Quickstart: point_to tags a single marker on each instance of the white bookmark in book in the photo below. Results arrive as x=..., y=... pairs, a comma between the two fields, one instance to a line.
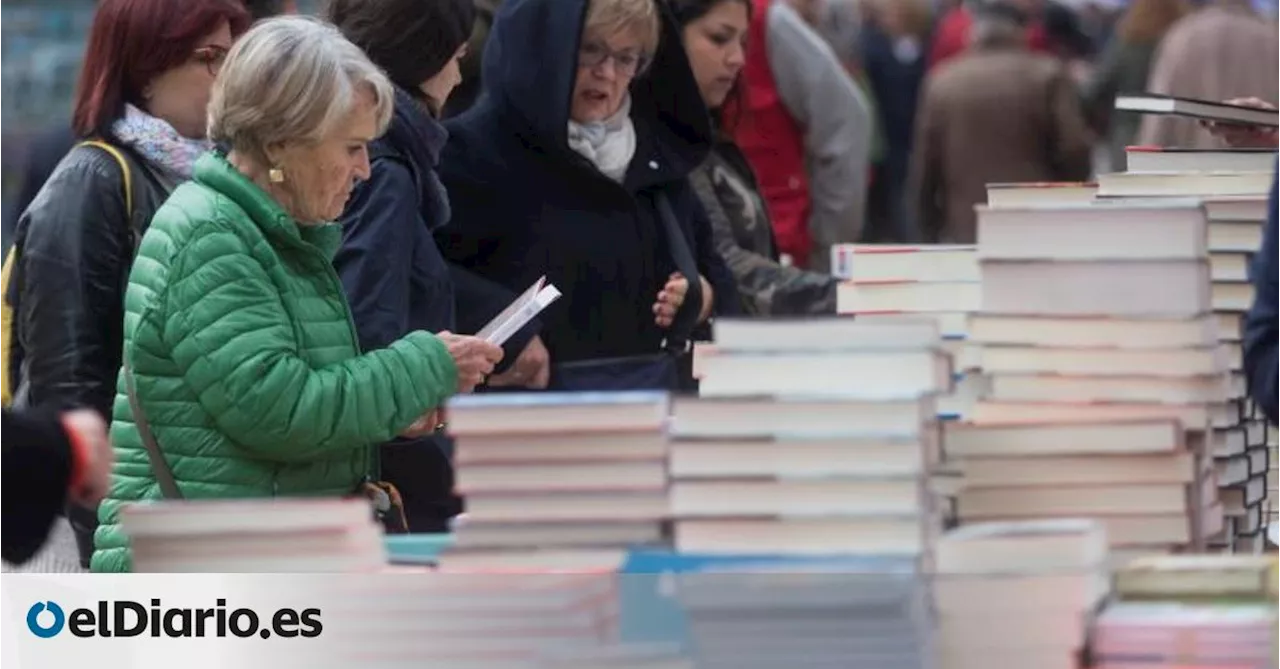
x=520, y=312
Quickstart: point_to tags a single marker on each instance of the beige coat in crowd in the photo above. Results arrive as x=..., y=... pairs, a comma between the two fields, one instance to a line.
x=1219, y=53
x=998, y=115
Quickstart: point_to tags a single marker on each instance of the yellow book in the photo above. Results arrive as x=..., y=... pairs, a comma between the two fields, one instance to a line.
x=1198, y=576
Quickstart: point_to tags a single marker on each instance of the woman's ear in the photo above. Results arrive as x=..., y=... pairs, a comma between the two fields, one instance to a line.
x=274, y=153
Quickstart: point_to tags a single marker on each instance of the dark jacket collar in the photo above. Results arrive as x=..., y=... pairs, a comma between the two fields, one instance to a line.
x=414, y=133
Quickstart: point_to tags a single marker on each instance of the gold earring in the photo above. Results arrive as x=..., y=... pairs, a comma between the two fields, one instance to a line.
x=276, y=175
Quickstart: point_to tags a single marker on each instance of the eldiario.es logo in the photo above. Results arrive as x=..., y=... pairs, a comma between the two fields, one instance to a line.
x=124, y=618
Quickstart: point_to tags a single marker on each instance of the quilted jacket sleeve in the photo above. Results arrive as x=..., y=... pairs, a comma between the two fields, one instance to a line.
x=237, y=349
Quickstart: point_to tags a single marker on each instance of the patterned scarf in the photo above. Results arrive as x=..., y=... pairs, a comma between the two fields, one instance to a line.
x=158, y=142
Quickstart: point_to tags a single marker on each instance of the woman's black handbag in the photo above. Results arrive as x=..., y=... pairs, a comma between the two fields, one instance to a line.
x=663, y=370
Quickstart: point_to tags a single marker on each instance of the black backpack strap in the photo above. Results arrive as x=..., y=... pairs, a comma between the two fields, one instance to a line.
x=680, y=334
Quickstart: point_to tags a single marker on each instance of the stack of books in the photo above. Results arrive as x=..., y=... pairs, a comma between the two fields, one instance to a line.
x=747, y=611
x=1019, y=594
x=558, y=471
x=939, y=281
x=1192, y=610
x=1273, y=478
x=1104, y=364
x=481, y=618
x=618, y=656
x=1016, y=195
x=811, y=436
x=254, y=536
x=1233, y=184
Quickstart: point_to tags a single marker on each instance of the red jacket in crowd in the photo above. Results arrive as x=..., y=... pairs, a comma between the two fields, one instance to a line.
x=774, y=145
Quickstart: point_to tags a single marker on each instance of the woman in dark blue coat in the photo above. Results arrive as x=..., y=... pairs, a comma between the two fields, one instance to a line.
x=588, y=125
x=395, y=277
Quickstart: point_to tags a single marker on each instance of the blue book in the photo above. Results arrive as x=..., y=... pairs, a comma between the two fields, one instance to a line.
x=652, y=613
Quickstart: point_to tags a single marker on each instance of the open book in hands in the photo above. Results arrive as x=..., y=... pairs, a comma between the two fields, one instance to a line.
x=520, y=312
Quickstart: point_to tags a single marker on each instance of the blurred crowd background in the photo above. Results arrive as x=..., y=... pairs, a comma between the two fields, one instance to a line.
x=43, y=41
x=41, y=44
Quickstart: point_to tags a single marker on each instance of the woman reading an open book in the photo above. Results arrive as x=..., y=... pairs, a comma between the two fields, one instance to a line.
x=242, y=373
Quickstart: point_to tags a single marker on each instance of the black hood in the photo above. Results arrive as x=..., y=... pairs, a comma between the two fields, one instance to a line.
x=531, y=63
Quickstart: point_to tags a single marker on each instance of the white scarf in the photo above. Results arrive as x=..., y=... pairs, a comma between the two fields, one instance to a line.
x=608, y=144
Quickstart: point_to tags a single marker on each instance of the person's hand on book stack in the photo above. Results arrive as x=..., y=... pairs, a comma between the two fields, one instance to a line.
x=1240, y=136
x=92, y=456
x=474, y=358
x=532, y=369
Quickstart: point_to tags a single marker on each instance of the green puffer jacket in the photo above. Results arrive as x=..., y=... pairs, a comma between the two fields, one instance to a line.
x=246, y=362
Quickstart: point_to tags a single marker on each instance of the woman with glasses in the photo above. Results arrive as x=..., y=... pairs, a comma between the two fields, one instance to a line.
x=574, y=165
x=149, y=66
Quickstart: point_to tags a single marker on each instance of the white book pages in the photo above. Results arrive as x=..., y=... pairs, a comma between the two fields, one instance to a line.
x=518, y=314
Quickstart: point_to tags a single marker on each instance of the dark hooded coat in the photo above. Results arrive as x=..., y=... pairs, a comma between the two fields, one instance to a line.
x=525, y=205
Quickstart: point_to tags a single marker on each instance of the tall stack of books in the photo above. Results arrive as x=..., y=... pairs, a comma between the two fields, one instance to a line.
x=1233, y=183
x=618, y=656
x=1235, y=233
x=1102, y=355
x=1273, y=479
x=848, y=613
x=939, y=281
x=739, y=611
x=1191, y=610
x=495, y=619
x=558, y=472
x=254, y=536
x=811, y=436
x=1019, y=594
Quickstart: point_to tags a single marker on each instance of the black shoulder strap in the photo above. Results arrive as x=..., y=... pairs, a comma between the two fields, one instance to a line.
x=681, y=331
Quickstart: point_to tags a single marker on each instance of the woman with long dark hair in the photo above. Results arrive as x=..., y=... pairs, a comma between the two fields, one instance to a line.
x=715, y=37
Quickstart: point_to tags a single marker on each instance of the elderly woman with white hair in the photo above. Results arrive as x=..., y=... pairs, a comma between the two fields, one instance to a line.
x=243, y=377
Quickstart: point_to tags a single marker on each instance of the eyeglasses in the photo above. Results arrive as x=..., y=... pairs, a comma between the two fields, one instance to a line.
x=211, y=56
x=592, y=55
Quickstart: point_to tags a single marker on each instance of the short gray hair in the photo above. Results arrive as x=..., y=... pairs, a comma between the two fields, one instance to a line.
x=291, y=79
x=993, y=31
x=613, y=16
